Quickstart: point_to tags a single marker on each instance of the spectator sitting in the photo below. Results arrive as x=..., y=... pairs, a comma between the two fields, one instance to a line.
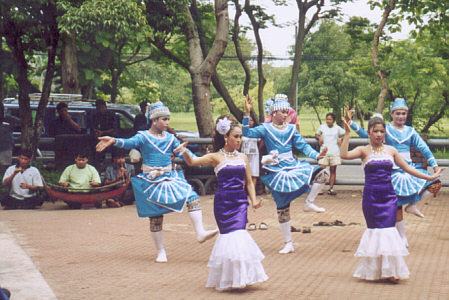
x=24, y=181
x=119, y=170
x=80, y=175
x=140, y=121
x=63, y=124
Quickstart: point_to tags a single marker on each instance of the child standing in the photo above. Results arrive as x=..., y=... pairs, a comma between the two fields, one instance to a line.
x=328, y=136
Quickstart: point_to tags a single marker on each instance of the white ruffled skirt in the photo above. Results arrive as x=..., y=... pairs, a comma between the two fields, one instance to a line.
x=235, y=261
x=382, y=251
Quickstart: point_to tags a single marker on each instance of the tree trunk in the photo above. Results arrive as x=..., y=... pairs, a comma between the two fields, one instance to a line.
x=381, y=73
x=436, y=117
x=261, y=78
x=69, y=65
x=238, y=50
x=202, y=69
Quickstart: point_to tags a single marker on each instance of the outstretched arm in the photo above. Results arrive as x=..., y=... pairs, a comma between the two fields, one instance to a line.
x=407, y=168
x=208, y=159
x=357, y=129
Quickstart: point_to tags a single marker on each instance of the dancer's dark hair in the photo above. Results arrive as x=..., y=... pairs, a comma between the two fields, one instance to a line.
x=375, y=121
x=219, y=139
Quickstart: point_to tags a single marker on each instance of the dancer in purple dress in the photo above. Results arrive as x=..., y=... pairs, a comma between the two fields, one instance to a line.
x=381, y=247
x=235, y=261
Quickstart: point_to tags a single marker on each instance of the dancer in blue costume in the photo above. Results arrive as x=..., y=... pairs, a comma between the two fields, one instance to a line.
x=286, y=177
x=381, y=247
x=159, y=189
x=235, y=260
x=409, y=189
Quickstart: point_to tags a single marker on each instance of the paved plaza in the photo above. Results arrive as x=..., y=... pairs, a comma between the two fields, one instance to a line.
x=59, y=253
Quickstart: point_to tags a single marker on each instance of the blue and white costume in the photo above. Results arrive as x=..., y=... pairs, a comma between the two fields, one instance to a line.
x=159, y=189
x=286, y=177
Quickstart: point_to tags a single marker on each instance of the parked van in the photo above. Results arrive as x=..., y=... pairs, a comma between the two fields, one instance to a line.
x=82, y=112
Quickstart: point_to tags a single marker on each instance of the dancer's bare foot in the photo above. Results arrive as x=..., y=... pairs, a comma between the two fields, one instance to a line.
x=206, y=235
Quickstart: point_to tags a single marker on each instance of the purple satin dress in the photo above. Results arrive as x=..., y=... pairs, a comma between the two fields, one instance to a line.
x=379, y=197
x=231, y=201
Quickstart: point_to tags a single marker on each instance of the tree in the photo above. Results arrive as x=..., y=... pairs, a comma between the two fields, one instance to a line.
x=303, y=28
x=29, y=27
x=110, y=33
x=183, y=17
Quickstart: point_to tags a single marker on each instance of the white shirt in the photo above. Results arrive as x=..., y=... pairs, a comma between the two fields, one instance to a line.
x=30, y=176
x=330, y=136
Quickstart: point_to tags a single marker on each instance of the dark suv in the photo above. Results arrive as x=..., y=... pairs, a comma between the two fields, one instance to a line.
x=82, y=112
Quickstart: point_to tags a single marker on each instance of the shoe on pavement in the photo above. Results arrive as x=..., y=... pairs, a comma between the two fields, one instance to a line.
x=161, y=256
x=310, y=207
x=288, y=248
x=331, y=192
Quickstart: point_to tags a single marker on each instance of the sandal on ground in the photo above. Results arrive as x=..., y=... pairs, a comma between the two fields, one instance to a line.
x=263, y=226
x=294, y=229
x=306, y=229
x=252, y=227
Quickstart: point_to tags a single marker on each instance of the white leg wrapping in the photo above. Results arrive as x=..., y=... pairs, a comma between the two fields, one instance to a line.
x=309, y=205
x=412, y=208
x=401, y=229
x=202, y=235
x=158, y=241
x=286, y=232
x=426, y=195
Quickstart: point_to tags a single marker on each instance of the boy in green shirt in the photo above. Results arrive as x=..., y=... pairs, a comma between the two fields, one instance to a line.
x=80, y=175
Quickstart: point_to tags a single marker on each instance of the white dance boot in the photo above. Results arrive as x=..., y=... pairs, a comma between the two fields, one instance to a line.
x=202, y=235
x=309, y=206
x=412, y=208
x=288, y=248
x=157, y=238
x=401, y=229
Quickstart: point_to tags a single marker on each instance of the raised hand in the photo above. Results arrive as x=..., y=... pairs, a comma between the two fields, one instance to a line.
x=437, y=174
x=348, y=114
x=248, y=104
x=105, y=141
x=346, y=125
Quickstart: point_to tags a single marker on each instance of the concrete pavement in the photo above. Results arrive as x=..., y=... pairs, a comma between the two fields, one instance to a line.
x=108, y=254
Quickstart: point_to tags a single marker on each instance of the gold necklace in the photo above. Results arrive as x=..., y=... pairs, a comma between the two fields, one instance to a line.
x=229, y=154
x=377, y=150
x=278, y=126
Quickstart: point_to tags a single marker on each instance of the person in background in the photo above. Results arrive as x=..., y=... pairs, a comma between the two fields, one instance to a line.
x=80, y=175
x=104, y=120
x=63, y=124
x=24, y=180
x=119, y=170
x=140, y=121
x=328, y=135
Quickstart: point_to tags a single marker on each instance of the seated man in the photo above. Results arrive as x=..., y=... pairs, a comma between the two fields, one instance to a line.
x=80, y=175
x=24, y=181
x=119, y=170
